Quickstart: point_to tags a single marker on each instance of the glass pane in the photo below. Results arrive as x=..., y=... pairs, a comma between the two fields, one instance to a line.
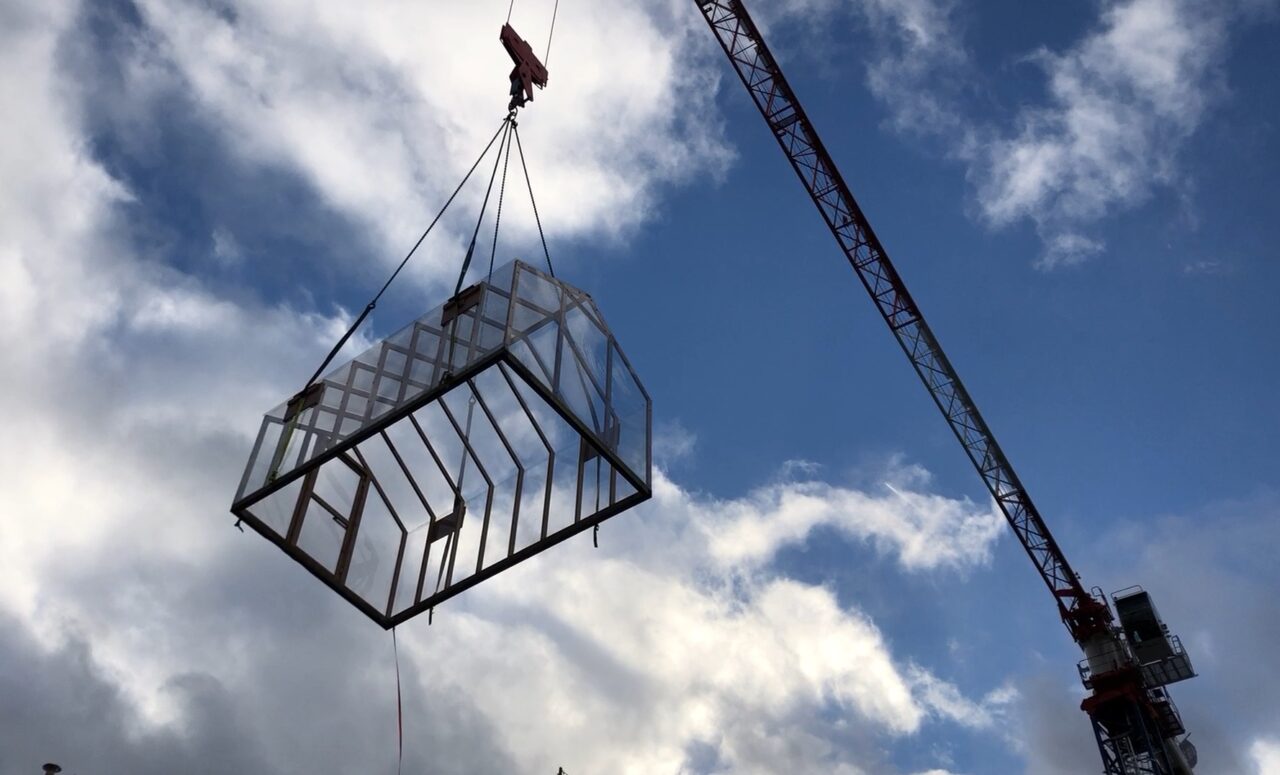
x=321, y=536
x=540, y=293
x=430, y=483
x=592, y=344
x=411, y=570
x=633, y=416
x=336, y=483
x=276, y=510
x=579, y=394
x=373, y=557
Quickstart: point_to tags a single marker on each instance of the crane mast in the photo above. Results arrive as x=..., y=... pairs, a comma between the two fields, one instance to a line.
x=1135, y=723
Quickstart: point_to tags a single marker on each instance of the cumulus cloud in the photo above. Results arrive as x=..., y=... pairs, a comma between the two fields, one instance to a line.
x=382, y=107
x=141, y=633
x=921, y=530
x=1119, y=106
x=1266, y=756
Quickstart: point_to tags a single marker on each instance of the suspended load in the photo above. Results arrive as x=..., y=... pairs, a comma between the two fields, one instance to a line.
x=496, y=425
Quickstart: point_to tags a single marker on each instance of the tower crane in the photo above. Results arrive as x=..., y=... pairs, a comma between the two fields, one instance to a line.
x=1129, y=655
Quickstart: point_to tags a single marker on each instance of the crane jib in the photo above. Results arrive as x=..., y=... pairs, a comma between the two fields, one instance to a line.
x=768, y=87
x=1135, y=723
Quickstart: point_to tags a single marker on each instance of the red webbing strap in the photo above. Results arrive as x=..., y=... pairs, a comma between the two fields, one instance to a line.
x=399, y=707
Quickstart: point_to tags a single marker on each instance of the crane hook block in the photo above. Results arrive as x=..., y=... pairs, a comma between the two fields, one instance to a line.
x=528, y=72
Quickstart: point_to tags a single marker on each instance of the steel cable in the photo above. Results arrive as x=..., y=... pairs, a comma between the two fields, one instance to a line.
x=466, y=262
x=374, y=301
x=534, y=202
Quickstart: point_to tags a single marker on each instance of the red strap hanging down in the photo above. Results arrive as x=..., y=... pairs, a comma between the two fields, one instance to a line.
x=399, y=708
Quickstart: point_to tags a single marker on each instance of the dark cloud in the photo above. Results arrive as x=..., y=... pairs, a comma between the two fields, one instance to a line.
x=59, y=706
x=306, y=684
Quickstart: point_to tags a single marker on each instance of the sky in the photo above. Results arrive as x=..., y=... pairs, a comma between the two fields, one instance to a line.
x=196, y=198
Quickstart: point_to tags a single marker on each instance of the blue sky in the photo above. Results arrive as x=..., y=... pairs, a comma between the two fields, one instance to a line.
x=197, y=196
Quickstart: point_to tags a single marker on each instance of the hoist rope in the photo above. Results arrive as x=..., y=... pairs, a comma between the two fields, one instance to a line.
x=509, y=7
x=554, y=10
x=534, y=202
x=505, y=131
x=374, y=301
x=502, y=190
x=471, y=249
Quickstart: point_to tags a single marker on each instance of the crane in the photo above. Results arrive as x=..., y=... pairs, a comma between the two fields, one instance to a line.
x=1127, y=663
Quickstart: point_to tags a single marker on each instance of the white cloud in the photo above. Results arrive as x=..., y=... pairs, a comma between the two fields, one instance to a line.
x=226, y=249
x=921, y=530
x=136, y=385
x=947, y=701
x=1120, y=104
x=382, y=107
x=1266, y=756
x=653, y=638
x=672, y=442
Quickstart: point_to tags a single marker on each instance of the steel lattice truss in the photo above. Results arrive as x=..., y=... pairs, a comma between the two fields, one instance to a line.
x=799, y=140
x=1133, y=718
x=484, y=432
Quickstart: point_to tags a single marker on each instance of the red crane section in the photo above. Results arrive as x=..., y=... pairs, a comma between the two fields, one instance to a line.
x=529, y=70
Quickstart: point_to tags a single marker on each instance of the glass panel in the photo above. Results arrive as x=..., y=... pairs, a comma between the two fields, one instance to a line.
x=538, y=353
x=622, y=488
x=388, y=388
x=526, y=317
x=495, y=307
x=632, y=410
x=486, y=444
x=321, y=536
x=356, y=406
x=288, y=459
x=373, y=557
x=427, y=344
x=260, y=463
x=540, y=293
x=276, y=510
x=592, y=344
x=579, y=394
x=331, y=396
x=397, y=488
x=514, y=422
x=394, y=364
x=336, y=483
x=595, y=485
x=422, y=374
x=362, y=378
x=444, y=439
x=411, y=570
x=326, y=420
x=490, y=337
x=498, y=537
x=460, y=330
x=533, y=497
x=502, y=276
